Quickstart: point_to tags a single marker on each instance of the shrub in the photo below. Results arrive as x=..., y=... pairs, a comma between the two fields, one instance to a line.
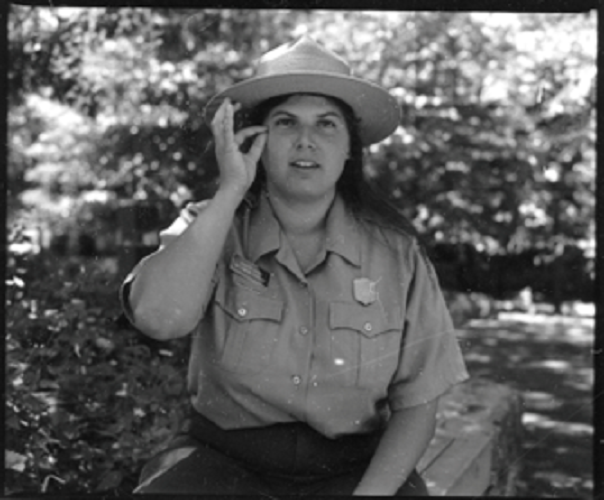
x=88, y=399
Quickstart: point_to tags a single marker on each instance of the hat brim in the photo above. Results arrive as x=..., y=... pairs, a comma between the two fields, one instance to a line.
x=377, y=110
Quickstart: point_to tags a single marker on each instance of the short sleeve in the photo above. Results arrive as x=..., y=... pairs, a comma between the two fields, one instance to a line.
x=186, y=216
x=166, y=236
x=431, y=360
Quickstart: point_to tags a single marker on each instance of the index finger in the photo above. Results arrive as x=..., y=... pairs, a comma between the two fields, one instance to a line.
x=222, y=125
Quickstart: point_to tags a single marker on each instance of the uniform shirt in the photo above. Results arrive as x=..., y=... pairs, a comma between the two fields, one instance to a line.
x=365, y=331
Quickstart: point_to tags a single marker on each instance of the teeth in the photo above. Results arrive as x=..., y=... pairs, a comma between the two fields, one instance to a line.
x=304, y=164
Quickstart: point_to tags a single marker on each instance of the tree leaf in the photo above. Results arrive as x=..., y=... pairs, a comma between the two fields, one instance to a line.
x=110, y=480
x=14, y=461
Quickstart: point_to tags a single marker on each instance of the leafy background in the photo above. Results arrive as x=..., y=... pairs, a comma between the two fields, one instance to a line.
x=88, y=399
x=494, y=163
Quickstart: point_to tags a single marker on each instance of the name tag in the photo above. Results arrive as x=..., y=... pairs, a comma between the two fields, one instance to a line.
x=249, y=270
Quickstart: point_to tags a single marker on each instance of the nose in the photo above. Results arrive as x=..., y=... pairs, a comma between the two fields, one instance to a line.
x=305, y=139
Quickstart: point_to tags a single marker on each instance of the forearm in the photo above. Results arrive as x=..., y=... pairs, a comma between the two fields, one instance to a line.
x=171, y=286
x=404, y=442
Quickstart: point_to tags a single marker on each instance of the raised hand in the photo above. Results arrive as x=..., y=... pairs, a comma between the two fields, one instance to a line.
x=237, y=169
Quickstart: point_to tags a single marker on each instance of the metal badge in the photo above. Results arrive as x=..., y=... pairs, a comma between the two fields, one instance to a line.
x=365, y=291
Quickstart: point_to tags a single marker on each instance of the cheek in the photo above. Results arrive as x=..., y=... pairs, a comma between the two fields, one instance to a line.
x=271, y=154
x=269, y=148
x=345, y=146
x=346, y=151
x=274, y=146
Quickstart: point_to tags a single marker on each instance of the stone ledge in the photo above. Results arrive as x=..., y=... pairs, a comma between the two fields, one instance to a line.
x=476, y=448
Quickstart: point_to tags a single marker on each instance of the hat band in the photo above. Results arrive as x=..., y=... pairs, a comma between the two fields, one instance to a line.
x=300, y=63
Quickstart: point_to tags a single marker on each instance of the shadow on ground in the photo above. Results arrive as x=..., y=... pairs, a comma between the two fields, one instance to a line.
x=549, y=359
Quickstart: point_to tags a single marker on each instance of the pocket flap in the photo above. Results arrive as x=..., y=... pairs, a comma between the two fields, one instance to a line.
x=368, y=320
x=245, y=305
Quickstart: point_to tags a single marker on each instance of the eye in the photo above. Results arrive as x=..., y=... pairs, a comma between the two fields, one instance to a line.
x=283, y=121
x=327, y=124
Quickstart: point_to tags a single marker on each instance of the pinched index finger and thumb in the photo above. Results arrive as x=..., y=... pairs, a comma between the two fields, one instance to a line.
x=258, y=145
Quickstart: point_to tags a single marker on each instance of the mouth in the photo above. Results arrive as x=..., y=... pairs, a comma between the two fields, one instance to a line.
x=305, y=164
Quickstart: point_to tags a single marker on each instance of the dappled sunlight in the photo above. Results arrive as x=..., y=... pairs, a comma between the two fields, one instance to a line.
x=477, y=357
x=580, y=334
x=519, y=357
x=536, y=400
x=509, y=335
x=555, y=365
x=549, y=359
x=490, y=341
x=579, y=385
x=560, y=479
x=533, y=421
x=578, y=331
x=557, y=464
x=581, y=379
x=547, y=319
x=483, y=323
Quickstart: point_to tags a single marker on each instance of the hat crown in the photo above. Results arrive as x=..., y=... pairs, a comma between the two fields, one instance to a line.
x=303, y=55
x=305, y=67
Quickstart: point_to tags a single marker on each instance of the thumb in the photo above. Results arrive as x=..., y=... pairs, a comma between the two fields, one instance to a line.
x=258, y=146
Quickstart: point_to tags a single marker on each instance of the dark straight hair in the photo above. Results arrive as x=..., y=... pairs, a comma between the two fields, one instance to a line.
x=363, y=201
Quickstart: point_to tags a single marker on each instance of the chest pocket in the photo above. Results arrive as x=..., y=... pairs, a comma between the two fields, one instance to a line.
x=252, y=325
x=364, y=343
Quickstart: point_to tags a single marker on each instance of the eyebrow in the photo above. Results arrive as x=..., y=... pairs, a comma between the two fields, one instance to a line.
x=293, y=115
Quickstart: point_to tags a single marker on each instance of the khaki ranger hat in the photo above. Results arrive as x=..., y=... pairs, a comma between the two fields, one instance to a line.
x=304, y=66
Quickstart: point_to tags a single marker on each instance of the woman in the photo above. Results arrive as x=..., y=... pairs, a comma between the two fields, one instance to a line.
x=321, y=341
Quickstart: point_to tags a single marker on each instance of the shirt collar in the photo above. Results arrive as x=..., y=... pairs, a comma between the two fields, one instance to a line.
x=264, y=230
x=342, y=232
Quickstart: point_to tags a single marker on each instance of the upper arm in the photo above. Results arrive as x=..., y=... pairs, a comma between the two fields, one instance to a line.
x=431, y=360
x=179, y=225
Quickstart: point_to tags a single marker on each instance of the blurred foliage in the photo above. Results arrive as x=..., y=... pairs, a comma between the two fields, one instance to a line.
x=496, y=146
x=87, y=399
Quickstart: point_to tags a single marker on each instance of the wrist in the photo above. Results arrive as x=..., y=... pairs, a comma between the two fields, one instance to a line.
x=230, y=195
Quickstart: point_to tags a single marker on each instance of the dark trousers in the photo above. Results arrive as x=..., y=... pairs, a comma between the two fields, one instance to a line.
x=282, y=459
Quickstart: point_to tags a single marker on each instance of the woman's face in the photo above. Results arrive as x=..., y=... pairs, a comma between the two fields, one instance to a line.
x=308, y=144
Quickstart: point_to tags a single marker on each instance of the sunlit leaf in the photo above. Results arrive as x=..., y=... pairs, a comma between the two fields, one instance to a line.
x=14, y=461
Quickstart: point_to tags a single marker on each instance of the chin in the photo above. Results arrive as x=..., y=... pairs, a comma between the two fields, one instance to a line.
x=306, y=196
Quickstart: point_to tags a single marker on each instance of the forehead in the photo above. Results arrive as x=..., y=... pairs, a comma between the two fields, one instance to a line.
x=308, y=103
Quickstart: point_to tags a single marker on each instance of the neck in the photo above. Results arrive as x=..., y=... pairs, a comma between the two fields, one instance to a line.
x=301, y=217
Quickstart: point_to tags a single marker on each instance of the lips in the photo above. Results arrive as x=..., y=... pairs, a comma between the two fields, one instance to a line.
x=305, y=164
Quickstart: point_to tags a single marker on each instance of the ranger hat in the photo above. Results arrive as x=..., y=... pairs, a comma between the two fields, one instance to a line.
x=304, y=66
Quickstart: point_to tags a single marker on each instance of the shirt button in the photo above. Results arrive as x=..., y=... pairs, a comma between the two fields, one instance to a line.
x=368, y=327
x=303, y=330
x=297, y=380
x=242, y=311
